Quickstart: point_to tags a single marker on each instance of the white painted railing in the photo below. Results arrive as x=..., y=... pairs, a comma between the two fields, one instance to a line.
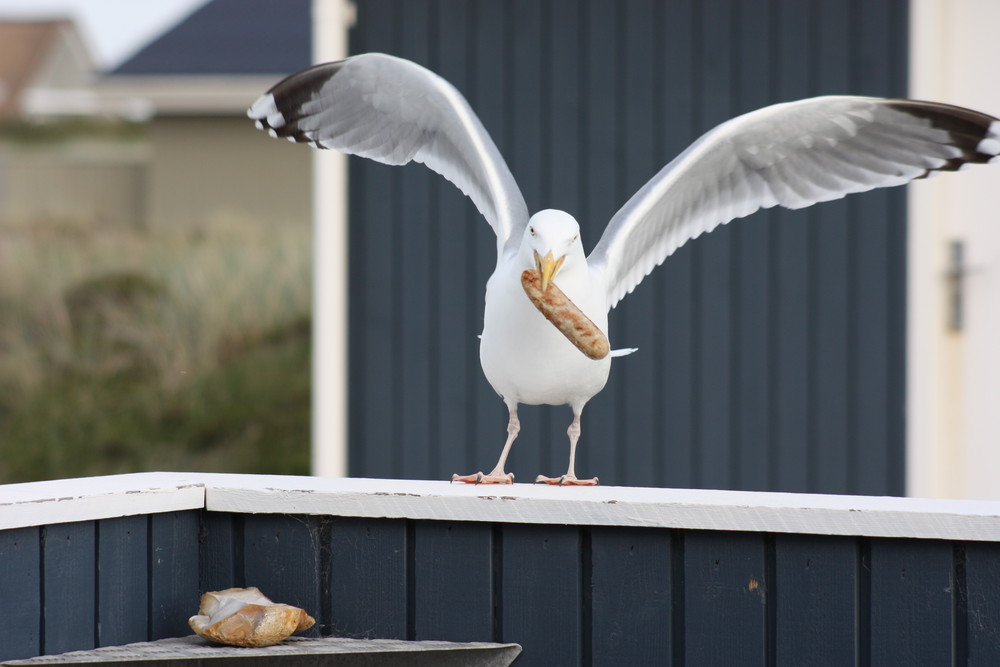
x=60, y=501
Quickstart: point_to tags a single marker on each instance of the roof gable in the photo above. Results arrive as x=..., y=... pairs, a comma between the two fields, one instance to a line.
x=231, y=37
x=47, y=54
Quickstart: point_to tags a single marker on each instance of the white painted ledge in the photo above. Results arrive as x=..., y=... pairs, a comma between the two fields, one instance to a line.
x=90, y=498
x=144, y=493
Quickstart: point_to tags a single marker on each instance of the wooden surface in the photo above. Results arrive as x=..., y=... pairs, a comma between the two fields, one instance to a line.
x=123, y=548
x=449, y=560
x=42, y=503
x=64, y=500
x=20, y=586
x=69, y=586
x=368, y=594
x=818, y=577
x=174, y=565
x=193, y=650
x=368, y=562
x=607, y=505
x=632, y=615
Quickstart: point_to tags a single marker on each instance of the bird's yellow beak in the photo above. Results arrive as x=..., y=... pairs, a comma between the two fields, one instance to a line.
x=547, y=267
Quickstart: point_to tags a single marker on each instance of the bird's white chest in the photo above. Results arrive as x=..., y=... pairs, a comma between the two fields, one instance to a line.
x=525, y=358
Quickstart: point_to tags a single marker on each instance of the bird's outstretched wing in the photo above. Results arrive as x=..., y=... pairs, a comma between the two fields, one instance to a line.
x=793, y=155
x=393, y=111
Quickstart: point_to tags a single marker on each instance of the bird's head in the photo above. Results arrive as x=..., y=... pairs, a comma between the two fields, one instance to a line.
x=553, y=238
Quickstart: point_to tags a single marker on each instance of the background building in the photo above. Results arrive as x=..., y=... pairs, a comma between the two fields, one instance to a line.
x=818, y=350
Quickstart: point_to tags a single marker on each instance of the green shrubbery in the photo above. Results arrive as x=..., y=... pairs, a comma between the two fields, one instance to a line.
x=162, y=349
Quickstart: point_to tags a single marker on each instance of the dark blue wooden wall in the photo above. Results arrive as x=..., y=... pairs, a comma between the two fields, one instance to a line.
x=569, y=595
x=72, y=586
x=771, y=353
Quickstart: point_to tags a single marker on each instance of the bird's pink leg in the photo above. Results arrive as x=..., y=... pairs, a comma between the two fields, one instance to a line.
x=497, y=475
x=570, y=479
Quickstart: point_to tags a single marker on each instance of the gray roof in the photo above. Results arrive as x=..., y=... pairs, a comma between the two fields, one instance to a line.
x=231, y=37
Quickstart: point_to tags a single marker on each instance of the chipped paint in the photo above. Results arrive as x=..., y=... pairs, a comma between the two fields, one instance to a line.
x=59, y=501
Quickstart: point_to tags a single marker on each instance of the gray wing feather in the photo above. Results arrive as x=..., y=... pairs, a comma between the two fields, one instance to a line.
x=394, y=111
x=792, y=155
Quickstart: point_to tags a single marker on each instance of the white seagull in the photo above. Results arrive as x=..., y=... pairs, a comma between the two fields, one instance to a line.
x=793, y=154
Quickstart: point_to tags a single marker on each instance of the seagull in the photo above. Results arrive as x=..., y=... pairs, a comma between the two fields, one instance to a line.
x=792, y=154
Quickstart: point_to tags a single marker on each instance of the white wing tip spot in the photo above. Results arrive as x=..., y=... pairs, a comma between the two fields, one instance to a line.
x=989, y=146
x=265, y=112
x=262, y=106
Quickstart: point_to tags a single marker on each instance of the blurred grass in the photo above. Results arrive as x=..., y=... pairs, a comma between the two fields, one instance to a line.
x=54, y=131
x=126, y=350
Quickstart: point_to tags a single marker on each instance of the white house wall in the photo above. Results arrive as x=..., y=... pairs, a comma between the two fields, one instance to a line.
x=190, y=152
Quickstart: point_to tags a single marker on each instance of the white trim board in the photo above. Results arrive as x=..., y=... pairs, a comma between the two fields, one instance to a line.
x=60, y=501
x=90, y=498
x=953, y=377
x=331, y=21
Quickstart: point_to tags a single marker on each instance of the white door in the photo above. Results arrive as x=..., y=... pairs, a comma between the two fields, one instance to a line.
x=953, y=421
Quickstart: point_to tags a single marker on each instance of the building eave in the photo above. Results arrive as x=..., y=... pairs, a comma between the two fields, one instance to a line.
x=183, y=95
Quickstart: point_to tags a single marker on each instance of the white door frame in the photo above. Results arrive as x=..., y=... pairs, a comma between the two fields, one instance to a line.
x=331, y=20
x=953, y=389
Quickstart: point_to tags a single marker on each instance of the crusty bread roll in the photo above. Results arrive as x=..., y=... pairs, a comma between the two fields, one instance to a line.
x=563, y=313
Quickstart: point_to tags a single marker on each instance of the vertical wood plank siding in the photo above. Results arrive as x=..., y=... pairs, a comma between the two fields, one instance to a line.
x=21, y=592
x=771, y=352
x=122, y=548
x=569, y=595
x=69, y=587
x=368, y=590
x=450, y=559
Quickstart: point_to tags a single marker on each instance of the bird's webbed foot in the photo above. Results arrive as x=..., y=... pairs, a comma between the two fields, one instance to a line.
x=567, y=480
x=479, y=478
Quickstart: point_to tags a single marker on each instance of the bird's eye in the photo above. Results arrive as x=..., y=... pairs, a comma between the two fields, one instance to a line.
x=575, y=237
x=531, y=230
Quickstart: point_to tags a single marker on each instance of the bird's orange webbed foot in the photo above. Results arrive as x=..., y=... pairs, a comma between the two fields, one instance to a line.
x=480, y=478
x=566, y=480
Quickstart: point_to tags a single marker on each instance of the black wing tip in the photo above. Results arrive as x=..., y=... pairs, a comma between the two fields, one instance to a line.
x=282, y=129
x=311, y=78
x=975, y=134
x=278, y=110
x=941, y=114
